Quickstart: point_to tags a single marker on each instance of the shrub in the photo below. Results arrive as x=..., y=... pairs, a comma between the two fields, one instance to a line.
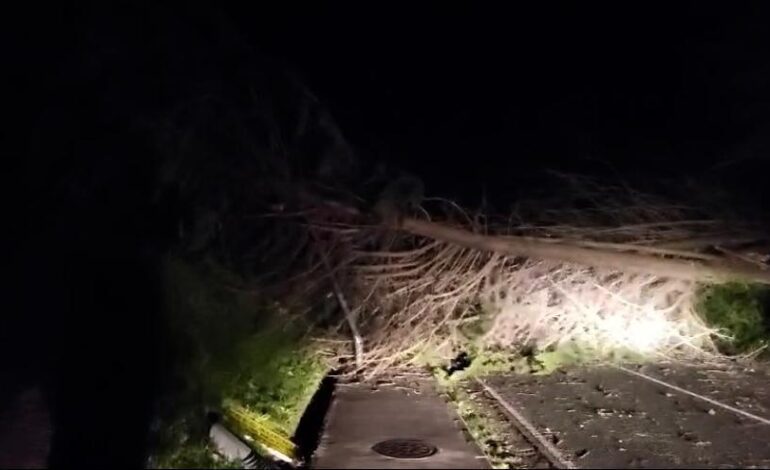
x=739, y=311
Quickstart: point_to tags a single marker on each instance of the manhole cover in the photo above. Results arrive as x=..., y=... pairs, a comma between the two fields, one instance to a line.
x=405, y=448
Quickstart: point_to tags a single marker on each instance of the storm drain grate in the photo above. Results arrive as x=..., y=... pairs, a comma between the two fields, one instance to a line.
x=405, y=448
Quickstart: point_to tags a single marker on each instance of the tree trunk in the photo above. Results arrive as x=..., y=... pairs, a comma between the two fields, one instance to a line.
x=709, y=271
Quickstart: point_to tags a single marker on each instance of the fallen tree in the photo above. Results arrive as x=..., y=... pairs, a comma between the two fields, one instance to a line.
x=620, y=273
x=686, y=266
x=616, y=276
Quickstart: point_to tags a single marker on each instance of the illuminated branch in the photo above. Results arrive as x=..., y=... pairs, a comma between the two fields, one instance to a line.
x=696, y=270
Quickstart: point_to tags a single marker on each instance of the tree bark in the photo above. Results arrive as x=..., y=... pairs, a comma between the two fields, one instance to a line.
x=709, y=271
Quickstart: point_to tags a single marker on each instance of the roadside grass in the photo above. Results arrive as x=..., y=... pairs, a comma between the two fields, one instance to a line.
x=192, y=454
x=491, y=361
x=224, y=344
x=741, y=313
x=487, y=428
x=276, y=375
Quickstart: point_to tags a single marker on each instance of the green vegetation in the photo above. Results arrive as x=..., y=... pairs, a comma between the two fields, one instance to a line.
x=280, y=385
x=738, y=311
x=489, y=361
x=574, y=354
x=226, y=344
x=195, y=454
x=487, y=428
x=484, y=360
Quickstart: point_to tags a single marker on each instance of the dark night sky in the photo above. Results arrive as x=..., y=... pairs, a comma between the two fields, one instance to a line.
x=487, y=96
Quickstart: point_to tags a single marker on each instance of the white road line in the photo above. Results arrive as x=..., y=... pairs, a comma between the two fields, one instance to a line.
x=546, y=447
x=696, y=395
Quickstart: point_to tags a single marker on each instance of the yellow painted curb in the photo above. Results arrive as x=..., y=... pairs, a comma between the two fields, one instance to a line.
x=265, y=433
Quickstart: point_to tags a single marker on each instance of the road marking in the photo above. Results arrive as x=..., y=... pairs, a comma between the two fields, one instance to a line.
x=696, y=395
x=546, y=447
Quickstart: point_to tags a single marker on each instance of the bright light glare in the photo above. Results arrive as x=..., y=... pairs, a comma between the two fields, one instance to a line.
x=605, y=313
x=643, y=335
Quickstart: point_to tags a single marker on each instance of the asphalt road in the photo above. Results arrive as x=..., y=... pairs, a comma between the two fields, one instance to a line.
x=654, y=416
